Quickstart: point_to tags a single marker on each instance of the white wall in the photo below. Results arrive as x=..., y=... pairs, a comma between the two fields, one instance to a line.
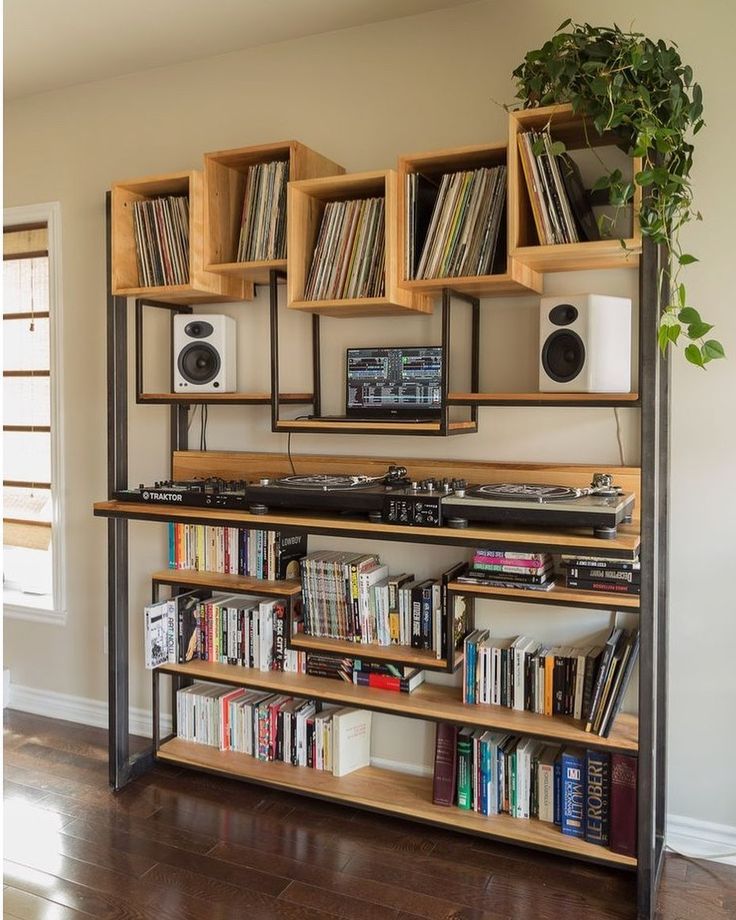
x=362, y=97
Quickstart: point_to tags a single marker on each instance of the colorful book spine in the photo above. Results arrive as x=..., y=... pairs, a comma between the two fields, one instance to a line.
x=573, y=792
x=597, y=797
x=622, y=830
x=464, y=770
x=445, y=764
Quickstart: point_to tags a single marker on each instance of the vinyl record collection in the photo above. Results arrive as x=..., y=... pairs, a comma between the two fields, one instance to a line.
x=589, y=794
x=161, y=228
x=271, y=727
x=590, y=573
x=586, y=683
x=561, y=208
x=496, y=568
x=353, y=597
x=270, y=554
x=350, y=254
x=263, y=225
x=461, y=235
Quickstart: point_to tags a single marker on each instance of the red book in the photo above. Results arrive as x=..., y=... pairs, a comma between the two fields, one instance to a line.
x=623, y=826
x=445, y=764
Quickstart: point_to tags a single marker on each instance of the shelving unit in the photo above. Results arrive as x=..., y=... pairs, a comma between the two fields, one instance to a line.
x=385, y=791
x=225, y=173
x=516, y=278
x=306, y=204
x=204, y=286
x=565, y=257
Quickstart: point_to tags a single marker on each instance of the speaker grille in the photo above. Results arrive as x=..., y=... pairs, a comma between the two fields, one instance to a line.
x=199, y=363
x=563, y=356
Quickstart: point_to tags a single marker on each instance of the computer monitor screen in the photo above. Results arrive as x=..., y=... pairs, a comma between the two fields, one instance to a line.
x=389, y=382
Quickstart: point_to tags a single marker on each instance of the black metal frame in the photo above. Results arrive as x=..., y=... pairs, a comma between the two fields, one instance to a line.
x=443, y=430
x=654, y=399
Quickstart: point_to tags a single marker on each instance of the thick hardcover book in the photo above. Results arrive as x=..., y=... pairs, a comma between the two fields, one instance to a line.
x=427, y=615
x=290, y=548
x=387, y=682
x=445, y=764
x=622, y=833
x=621, y=683
x=609, y=649
x=557, y=800
x=612, y=587
x=464, y=769
x=573, y=792
x=187, y=614
x=598, y=574
x=592, y=663
x=598, y=795
x=601, y=562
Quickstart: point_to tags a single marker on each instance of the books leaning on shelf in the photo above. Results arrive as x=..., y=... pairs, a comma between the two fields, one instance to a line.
x=350, y=253
x=586, y=683
x=236, y=630
x=353, y=597
x=560, y=205
x=263, y=225
x=161, y=227
x=272, y=727
x=236, y=551
x=461, y=235
x=587, y=794
x=496, y=568
x=379, y=675
x=598, y=573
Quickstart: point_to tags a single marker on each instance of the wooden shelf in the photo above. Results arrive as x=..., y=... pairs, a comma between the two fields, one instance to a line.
x=389, y=792
x=432, y=702
x=204, y=286
x=516, y=277
x=624, y=546
x=543, y=399
x=225, y=174
x=396, y=654
x=564, y=257
x=559, y=595
x=306, y=204
x=337, y=426
x=233, y=399
x=246, y=584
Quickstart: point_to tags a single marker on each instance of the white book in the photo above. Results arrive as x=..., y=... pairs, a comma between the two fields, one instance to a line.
x=351, y=737
x=546, y=784
x=265, y=634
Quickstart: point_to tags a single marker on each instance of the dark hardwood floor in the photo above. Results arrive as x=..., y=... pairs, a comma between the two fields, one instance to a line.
x=178, y=845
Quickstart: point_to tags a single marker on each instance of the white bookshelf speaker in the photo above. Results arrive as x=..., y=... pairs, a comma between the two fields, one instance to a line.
x=585, y=344
x=204, y=353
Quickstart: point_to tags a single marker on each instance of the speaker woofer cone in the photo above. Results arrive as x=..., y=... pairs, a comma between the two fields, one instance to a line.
x=199, y=363
x=563, y=356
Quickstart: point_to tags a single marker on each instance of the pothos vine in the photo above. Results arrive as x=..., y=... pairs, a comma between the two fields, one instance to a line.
x=639, y=89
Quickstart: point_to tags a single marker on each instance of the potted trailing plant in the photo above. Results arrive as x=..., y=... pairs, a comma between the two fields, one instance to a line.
x=639, y=89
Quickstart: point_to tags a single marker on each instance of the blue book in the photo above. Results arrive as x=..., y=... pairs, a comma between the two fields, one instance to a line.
x=597, y=796
x=172, y=551
x=558, y=790
x=573, y=792
x=485, y=775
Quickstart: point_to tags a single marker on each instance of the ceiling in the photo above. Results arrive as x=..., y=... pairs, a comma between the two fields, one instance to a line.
x=49, y=44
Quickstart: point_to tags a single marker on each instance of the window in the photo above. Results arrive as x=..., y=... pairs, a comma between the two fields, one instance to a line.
x=33, y=548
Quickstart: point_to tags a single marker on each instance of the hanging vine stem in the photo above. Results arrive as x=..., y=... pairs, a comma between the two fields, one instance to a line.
x=639, y=89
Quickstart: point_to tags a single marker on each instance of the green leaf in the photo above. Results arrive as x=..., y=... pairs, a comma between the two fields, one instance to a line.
x=689, y=315
x=693, y=355
x=681, y=294
x=698, y=330
x=645, y=177
x=601, y=183
x=687, y=259
x=563, y=25
x=663, y=338
x=556, y=148
x=713, y=349
x=673, y=332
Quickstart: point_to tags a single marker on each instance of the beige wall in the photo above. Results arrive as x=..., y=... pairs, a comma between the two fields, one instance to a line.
x=362, y=97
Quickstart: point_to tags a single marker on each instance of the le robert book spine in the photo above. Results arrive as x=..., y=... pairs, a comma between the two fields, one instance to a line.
x=445, y=764
x=622, y=832
x=573, y=792
x=597, y=797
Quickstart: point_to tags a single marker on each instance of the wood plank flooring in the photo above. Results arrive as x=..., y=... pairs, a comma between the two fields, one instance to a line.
x=179, y=845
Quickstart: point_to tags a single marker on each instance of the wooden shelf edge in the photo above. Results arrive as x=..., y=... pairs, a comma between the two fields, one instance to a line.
x=338, y=426
x=388, y=792
x=429, y=702
x=543, y=399
x=396, y=654
x=246, y=399
x=559, y=595
x=364, y=306
x=624, y=546
x=237, y=583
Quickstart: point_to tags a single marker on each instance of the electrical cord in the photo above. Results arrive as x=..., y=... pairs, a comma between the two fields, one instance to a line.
x=618, y=435
x=203, y=427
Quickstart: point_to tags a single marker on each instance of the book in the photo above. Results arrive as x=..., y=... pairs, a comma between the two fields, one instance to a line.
x=351, y=738
x=464, y=768
x=597, y=796
x=621, y=683
x=546, y=784
x=156, y=624
x=388, y=682
x=445, y=764
x=623, y=823
x=614, y=638
x=573, y=792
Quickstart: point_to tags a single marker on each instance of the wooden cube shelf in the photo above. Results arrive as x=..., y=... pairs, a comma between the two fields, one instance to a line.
x=203, y=286
x=569, y=128
x=306, y=204
x=516, y=278
x=225, y=173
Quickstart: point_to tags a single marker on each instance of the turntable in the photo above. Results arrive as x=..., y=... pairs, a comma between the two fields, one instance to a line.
x=602, y=505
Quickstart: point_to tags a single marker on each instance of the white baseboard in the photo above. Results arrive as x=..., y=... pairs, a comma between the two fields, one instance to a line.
x=700, y=839
x=6, y=687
